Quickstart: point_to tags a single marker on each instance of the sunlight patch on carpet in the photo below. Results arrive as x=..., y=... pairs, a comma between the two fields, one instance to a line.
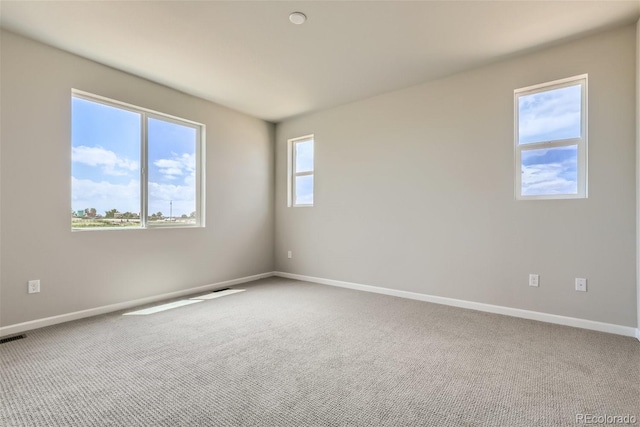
x=161, y=307
x=213, y=295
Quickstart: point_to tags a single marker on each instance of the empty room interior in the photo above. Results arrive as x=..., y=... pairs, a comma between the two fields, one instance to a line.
x=319, y=213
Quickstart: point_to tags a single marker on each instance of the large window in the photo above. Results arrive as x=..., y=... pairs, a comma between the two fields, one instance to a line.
x=551, y=140
x=301, y=171
x=132, y=167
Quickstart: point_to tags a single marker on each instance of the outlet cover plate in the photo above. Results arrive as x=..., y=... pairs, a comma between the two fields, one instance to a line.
x=534, y=280
x=581, y=284
x=34, y=286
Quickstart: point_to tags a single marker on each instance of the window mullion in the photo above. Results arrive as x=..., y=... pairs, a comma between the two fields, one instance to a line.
x=551, y=144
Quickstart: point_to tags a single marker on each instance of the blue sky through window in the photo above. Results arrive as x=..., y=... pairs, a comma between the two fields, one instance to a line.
x=105, y=154
x=304, y=163
x=550, y=115
x=304, y=156
x=172, y=168
x=304, y=190
x=550, y=171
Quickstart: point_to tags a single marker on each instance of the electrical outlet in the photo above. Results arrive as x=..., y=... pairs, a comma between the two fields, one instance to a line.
x=534, y=280
x=581, y=285
x=34, y=286
x=289, y=255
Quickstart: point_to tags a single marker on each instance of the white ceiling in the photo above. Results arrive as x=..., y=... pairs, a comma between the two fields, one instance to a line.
x=248, y=56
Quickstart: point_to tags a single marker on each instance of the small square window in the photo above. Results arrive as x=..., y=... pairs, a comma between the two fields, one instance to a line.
x=551, y=140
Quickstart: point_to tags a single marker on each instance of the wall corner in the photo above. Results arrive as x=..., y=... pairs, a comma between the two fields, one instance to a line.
x=638, y=176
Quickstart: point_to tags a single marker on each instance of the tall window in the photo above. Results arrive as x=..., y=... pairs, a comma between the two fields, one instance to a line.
x=301, y=171
x=132, y=167
x=551, y=140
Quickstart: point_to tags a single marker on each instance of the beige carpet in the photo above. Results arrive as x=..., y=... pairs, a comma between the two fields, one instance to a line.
x=289, y=353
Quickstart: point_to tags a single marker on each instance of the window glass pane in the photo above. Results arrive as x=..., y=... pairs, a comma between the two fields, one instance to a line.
x=304, y=156
x=304, y=190
x=550, y=171
x=105, y=165
x=172, y=173
x=550, y=115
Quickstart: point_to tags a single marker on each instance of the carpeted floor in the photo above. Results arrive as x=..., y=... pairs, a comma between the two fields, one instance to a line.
x=289, y=353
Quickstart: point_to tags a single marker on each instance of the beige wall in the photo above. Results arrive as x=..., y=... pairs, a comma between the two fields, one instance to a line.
x=415, y=191
x=83, y=270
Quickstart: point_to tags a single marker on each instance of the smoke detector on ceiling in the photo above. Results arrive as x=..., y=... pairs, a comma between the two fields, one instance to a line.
x=297, y=18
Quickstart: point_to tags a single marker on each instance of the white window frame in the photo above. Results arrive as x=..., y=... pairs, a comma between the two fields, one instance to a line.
x=580, y=143
x=291, y=167
x=146, y=113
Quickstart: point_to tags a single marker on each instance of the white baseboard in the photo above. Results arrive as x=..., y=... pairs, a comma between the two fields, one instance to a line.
x=48, y=321
x=497, y=309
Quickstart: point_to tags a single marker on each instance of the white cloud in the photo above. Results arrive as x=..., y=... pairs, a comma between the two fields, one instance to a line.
x=182, y=197
x=158, y=191
x=547, y=179
x=98, y=156
x=104, y=195
x=553, y=114
x=531, y=126
x=169, y=167
x=179, y=165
